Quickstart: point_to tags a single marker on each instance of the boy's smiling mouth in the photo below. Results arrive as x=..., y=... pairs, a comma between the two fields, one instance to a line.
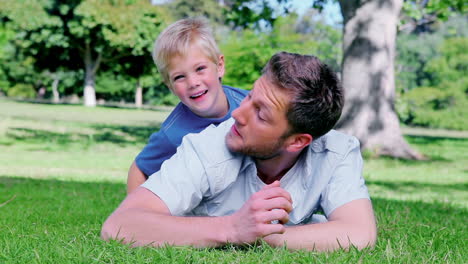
x=197, y=95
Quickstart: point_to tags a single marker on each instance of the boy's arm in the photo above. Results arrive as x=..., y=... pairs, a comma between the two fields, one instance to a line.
x=352, y=224
x=135, y=177
x=144, y=219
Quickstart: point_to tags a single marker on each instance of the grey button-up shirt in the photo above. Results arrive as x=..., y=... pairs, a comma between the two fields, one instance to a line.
x=205, y=179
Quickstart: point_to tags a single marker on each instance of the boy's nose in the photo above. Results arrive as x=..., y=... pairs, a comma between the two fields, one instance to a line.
x=193, y=81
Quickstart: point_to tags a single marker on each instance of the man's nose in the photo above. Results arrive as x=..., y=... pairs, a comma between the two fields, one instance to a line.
x=240, y=114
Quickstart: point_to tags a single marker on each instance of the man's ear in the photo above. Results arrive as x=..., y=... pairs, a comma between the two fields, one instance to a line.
x=220, y=66
x=298, y=142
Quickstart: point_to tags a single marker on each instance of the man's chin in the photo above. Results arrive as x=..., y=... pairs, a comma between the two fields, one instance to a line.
x=232, y=147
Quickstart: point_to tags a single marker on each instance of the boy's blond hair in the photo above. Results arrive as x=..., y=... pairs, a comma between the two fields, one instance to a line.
x=177, y=39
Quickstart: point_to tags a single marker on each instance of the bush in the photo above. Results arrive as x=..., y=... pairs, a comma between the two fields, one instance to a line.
x=445, y=106
x=444, y=102
x=22, y=90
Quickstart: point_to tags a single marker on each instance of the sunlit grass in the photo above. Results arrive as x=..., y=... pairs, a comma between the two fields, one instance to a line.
x=63, y=171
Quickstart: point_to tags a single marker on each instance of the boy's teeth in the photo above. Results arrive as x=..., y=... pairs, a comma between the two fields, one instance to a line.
x=198, y=94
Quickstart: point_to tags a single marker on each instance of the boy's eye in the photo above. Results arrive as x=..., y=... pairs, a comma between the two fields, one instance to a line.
x=200, y=68
x=177, y=77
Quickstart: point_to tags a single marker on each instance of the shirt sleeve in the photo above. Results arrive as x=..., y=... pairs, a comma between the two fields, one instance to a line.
x=158, y=149
x=182, y=181
x=346, y=183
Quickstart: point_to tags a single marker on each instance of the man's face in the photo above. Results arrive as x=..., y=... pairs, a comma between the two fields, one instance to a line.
x=194, y=78
x=260, y=122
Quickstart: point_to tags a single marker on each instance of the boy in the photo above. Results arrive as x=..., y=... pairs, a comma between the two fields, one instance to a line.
x=191, y=65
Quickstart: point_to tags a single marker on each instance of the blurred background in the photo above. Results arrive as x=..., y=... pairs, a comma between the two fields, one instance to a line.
x=95, y=52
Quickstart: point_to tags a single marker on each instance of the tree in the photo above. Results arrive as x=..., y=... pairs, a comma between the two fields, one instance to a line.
x=83, y=33
x=369, y=33
x=370, y=29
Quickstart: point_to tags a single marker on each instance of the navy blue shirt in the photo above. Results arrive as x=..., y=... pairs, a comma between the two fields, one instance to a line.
x=182, y=121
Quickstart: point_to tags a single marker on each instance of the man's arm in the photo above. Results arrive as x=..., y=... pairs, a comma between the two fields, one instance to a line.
x=350, y=224
x=144, y=219
x=135, y=177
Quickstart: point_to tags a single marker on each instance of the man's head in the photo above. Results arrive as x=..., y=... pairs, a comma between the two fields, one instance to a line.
x=179, y=38
x=316, y=93
x=297, y=99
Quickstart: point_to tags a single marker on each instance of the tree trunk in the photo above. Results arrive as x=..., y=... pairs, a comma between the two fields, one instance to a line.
x=56, y=95
x=368, y=76
x=91, y=67
x=138, y=95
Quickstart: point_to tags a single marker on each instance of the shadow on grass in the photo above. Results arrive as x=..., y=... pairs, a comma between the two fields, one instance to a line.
x=115, y=134
x=427, y=145
x=118, y=105
x=140, y=133
x=401, y=186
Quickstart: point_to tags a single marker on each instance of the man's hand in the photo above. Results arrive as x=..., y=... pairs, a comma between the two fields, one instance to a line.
x=263, y=214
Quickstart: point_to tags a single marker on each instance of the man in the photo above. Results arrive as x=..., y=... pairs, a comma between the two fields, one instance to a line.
x=261, y=175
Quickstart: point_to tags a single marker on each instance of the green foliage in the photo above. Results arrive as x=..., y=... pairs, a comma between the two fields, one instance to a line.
x=81, y=36
x=248, y=51
x=117, y=25
x=414, y=51
x=452, y=64
x=22, y=90
x=444, y=103
x=193, y=8
x=114, y=87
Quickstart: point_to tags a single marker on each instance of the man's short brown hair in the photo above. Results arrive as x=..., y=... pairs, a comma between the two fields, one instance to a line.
x=317, y=95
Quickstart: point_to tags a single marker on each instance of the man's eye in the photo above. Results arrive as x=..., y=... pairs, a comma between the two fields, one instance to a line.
x=259, y=115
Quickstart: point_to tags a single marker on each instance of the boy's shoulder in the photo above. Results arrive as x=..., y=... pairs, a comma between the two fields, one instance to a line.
x=179, y=120
x=230, y=91
x=234, y=95
x=182, y=121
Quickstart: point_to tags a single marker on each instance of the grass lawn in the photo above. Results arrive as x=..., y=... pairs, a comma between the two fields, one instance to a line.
x=63, y=171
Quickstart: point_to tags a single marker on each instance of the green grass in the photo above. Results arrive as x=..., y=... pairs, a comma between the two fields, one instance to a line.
x=63, y=171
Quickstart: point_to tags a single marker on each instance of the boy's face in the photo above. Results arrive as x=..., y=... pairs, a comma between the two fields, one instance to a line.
x=194, y=78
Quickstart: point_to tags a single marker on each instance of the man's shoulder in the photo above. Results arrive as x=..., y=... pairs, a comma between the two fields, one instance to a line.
x=210, y=144
x=336, y=142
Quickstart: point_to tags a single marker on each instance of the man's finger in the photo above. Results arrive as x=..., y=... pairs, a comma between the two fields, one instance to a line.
x=268, y=229
x=279, y=215
x=271, y=185
x=274, y=192
x=278, y=203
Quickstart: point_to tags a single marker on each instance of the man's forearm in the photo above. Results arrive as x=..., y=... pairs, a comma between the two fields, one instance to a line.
x=144, y=219
x=342, y=231
x=135, y=177
x=320, y=237
x=139, y=228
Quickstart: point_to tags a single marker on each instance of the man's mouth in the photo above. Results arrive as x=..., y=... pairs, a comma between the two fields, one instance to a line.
x=197, y=95
x=234, y=131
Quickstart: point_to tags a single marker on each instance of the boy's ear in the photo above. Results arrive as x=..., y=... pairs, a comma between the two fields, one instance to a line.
x=221, y=66
x=298, y=142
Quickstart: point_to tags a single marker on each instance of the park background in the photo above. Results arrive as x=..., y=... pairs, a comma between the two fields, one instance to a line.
x=80, y=95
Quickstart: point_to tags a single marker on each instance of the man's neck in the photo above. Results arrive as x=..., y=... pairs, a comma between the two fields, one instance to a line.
x=275, y=168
